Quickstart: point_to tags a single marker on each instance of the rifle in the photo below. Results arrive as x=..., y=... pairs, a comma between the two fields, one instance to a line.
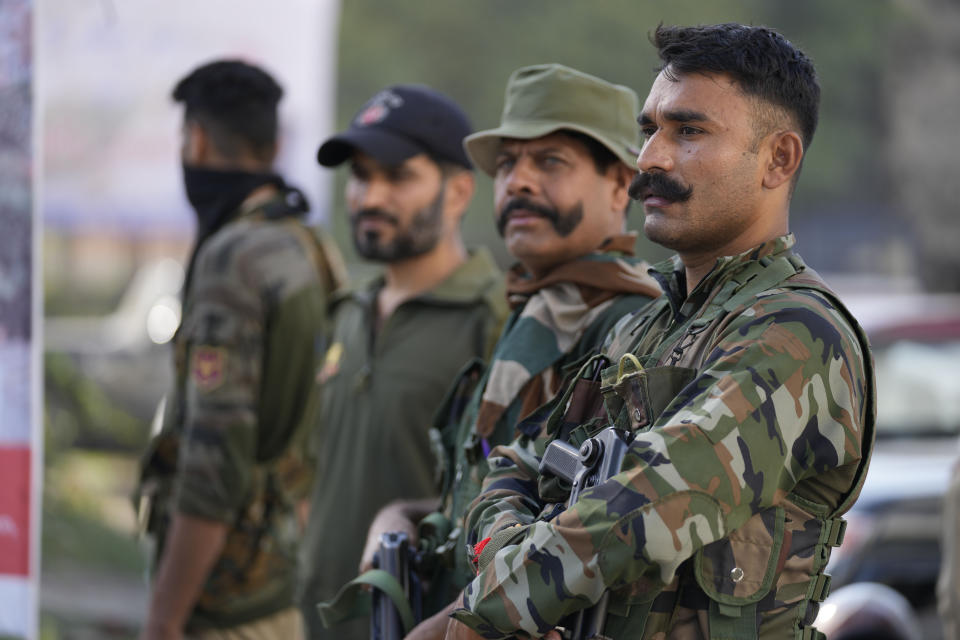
x=399, y=559
x=598, y=459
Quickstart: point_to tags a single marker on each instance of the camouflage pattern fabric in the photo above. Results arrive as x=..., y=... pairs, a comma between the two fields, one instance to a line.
x=230, y=449
x=722, y=517
x=557, y=320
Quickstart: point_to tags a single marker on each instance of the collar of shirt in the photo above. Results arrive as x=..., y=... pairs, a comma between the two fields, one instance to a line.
x=469, y=283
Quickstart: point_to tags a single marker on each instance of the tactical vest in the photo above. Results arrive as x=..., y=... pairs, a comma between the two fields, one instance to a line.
x=769, y=570
x=461, y=456
x=246, y=563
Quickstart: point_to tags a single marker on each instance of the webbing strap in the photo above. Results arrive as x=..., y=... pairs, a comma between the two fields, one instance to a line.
x=729, y=622
x=836, y=528
x=736, y=292
x=820, y=588
x=772, y=274
x=810, y=633
x=325, y=258
x=353, y=600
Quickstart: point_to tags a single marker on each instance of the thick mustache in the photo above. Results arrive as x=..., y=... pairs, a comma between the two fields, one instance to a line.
x=522, y=203
x=374, y=214
x=659, y=185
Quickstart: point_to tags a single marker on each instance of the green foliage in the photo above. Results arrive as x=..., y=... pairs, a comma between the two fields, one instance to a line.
x=83, y=494
x=78, y=412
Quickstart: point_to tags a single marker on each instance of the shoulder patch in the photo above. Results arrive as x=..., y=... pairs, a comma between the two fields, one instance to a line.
x=207, y=366
x=331, y=363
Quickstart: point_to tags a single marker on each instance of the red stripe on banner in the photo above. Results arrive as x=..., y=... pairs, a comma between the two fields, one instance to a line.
x=15, y=511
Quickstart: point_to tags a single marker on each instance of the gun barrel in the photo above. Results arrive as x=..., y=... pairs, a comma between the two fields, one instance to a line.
x=392, y=557
x=598, y=460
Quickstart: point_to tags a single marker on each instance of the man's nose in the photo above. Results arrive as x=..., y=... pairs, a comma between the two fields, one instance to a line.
x=655, y=153
x=522, y=178
x=374, y=194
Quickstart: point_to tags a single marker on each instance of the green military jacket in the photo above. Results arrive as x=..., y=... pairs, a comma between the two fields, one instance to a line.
x=376, y=398
x=721, y=519
x=230, y=445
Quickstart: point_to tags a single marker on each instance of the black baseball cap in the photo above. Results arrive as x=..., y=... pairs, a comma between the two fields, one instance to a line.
x=400, y=122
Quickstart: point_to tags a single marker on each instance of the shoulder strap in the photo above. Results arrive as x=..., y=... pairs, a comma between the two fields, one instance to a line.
x=353, y=599
x=737, y=291
x=287, y=208
x=323, y=253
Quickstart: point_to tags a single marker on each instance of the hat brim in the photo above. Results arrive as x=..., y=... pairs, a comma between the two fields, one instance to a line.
x=483, y=146
x=386, y=148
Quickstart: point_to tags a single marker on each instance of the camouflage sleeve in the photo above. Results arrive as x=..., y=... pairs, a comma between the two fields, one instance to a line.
x=781, y=399
x=241, y=276
x=509, y=495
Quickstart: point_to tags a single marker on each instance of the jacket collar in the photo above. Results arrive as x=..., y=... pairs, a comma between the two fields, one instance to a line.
x=671, y=274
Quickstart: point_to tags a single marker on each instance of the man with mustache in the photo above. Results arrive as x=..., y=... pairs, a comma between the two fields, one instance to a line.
x=747, y=390
x=398, y=340
x=561, y=162
x=219, y=481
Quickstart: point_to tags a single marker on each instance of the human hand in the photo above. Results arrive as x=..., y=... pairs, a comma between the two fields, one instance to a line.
x=393, y=517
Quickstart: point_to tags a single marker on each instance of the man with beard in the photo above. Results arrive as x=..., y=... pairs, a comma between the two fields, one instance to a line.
x=745, y=392
x=561, y=161
x=219, y=481
x=399, y=340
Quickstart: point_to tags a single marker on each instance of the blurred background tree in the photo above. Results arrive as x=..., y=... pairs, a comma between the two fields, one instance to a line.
x=469, y=49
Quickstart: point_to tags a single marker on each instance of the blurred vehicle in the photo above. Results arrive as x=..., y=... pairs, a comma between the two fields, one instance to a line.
x=106, y=374
x=868, y=611
x=893, y=532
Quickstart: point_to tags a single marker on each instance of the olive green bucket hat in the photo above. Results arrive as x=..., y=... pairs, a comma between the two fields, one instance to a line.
x=545, y=98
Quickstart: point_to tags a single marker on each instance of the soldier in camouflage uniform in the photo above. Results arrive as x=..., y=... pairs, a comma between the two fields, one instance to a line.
x=748, y=390
x=220, y=481
x=561, y=160
x=399, y=339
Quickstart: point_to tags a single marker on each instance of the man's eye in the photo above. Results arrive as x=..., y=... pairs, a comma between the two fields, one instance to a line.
x=647, y=132
x=503, y=163
x=689, y=131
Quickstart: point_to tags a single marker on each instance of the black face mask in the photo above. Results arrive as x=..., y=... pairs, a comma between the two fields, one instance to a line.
x=216, y=195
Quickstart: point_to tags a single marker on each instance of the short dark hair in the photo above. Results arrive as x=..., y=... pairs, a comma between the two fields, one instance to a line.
x=236, y=103
x=763, y=63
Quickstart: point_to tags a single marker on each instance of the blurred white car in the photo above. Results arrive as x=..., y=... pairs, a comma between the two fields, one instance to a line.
x=124, y=353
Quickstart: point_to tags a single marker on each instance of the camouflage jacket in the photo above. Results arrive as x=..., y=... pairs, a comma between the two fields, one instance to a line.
x=544, y=341
x=721, y=519
x=229, y=448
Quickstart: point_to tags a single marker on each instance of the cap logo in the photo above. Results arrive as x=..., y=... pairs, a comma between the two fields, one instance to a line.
x=378, y=108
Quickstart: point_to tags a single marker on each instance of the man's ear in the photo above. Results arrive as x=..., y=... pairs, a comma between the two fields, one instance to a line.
x=458, y=193
x=786, y=152
x=622, y=176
